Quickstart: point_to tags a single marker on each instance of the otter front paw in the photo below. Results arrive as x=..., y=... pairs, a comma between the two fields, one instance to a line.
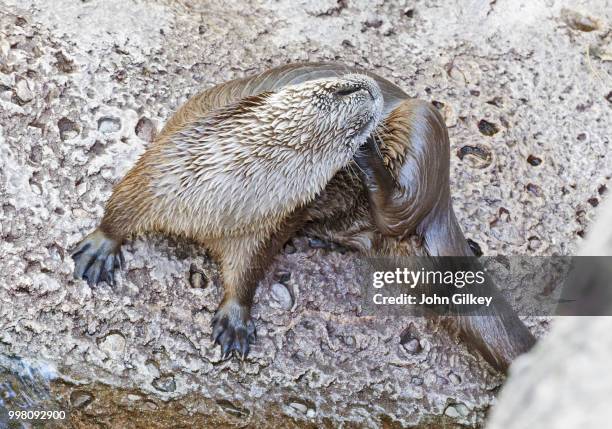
x=96, y=257
x=233, y=329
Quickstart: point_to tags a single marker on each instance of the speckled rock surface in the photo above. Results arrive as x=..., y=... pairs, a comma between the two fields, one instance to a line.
x=83, y=86
x=559, y=384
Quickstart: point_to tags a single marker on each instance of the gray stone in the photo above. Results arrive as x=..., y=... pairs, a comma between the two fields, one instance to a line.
x=457, y=411
x=165, y=384
x=108, y=124
x=412, y=346
x=80, y=398
x=132, y=60
x=563, y=382
x=282, y=296
x=113, y=345
x=299, y=407
x=23, y=91
x=454, y=378
x=145, y=129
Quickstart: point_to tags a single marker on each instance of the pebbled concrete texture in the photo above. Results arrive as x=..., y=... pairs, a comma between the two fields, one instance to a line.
x=525, y=88
x=559, y=384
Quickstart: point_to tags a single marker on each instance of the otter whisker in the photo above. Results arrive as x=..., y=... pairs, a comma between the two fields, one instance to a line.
x=377, y=144
x=355, y=164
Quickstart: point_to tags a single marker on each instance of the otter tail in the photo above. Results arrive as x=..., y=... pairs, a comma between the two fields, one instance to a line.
x=495, y=331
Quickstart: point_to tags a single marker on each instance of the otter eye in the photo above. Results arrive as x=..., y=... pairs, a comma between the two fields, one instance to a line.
x=347, y=91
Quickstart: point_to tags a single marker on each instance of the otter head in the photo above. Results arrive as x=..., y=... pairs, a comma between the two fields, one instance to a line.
x=266, y=154
x=330, y=117
x=309, y=131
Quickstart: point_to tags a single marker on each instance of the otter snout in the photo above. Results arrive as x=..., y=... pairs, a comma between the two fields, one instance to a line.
x=364, y=96
x=374, y=101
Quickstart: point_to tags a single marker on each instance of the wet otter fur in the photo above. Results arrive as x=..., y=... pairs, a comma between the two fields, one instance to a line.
x=232, y=177
x=397, y=189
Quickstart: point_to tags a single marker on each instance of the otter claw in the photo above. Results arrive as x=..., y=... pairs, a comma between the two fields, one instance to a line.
x=219, y=327
x=95, y=259
x=232, y=332
x=119, y=260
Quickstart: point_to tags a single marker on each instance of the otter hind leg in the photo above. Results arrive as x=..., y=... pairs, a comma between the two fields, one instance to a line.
x=96, y=257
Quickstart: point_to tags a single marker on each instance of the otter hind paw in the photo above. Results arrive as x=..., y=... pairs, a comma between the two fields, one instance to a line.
x=95, y=259
x=233, y=330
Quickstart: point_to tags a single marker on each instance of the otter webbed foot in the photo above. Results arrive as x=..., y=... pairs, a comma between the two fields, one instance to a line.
x=96, y=257
x=233, y=329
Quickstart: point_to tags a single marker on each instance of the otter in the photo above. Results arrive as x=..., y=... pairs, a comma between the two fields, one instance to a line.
x=386, y=183
x=233, y=176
